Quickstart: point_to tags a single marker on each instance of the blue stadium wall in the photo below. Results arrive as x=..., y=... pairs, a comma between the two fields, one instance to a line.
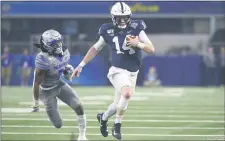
x=172, y=71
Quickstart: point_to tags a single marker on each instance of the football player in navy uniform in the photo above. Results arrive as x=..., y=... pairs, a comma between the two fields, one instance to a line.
x=127, y=39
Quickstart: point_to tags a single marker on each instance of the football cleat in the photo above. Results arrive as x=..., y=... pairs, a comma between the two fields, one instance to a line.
x=116, y=131
x=35, y=109
x=103, y=125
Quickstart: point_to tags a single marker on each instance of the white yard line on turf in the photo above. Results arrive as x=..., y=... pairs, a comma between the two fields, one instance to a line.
x=91, y=134
x=140, y=116
x=142, y=120
x=96, y=127
x=60, y=103
x=137, y=111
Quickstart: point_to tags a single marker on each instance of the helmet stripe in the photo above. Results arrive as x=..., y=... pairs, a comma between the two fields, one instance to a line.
x=121, y=4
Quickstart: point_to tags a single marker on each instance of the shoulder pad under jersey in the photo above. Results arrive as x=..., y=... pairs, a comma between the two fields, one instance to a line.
x=138, y=24
x=104, y=27
x=42, y=62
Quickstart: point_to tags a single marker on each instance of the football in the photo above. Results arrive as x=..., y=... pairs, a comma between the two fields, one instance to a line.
x=130, y=37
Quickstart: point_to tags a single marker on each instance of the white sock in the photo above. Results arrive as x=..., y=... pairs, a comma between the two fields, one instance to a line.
x=118, y=119
x=122, y=106
x=36, y=102
x=81, y=120
x=109, y=112
x=123, y=103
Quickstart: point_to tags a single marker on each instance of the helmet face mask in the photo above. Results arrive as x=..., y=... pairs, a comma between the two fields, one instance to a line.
x=57, y=47
x=121, y=15
x=121, y=21
x=52, y=42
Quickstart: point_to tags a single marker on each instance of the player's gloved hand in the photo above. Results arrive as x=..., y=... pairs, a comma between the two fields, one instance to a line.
x=77, y=71
x=132, y=41
x=68, y=71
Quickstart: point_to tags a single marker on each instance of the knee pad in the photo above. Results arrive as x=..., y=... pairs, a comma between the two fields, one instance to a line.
x=123, y=103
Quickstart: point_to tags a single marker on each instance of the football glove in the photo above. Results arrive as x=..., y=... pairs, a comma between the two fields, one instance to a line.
x=68, y=72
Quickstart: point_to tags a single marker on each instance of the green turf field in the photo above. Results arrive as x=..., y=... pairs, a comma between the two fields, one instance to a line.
x=153, y=114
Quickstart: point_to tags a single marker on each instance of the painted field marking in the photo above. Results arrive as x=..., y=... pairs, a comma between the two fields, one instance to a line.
x=110, y=97
x=191, y=121
x=139, y=116
x=165, y=93
x=28, y=110
x=96, y=127
x=60, y=103
x=92, y=134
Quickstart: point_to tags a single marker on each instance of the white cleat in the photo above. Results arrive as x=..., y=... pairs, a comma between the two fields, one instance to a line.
x=81, y=138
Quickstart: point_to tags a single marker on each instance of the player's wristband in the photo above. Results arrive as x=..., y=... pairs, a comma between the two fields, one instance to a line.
x=82, y=64
x=141, y=45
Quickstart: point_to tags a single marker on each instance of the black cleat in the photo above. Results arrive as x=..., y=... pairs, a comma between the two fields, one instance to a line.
x=35, y=109
x=116, y=131
x=103, y=125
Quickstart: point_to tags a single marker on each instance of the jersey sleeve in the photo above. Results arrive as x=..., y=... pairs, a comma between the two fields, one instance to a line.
x=138, y=26
x=101, y=31
x=99, y=44
x=142, y=25
x=41, y=62
x=144, y=38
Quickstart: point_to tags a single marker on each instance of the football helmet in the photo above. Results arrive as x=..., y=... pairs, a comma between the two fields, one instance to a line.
x=52, y=42
x=121, y=15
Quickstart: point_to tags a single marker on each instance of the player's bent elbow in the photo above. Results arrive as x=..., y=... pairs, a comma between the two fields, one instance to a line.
x=152, y=50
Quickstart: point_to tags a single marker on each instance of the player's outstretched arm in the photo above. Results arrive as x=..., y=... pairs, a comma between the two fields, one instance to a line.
x=38, y=78
x=41, y=66
x=92, y=52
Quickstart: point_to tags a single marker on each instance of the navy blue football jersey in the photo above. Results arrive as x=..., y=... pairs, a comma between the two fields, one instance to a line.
x=123, y=56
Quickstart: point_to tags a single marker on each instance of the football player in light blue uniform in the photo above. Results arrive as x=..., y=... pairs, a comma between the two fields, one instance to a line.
x=127, y=39
x=50, y=63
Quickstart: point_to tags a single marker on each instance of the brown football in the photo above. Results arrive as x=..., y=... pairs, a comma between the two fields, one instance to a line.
x=132, y=36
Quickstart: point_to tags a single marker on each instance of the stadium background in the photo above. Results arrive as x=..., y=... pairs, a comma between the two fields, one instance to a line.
x=189, y=59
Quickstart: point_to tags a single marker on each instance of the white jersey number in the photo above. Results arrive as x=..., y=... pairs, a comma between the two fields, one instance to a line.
x=116, y=41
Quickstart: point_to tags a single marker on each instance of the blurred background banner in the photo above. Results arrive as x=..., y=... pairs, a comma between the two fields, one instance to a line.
x=83, y=8
x=188, y=37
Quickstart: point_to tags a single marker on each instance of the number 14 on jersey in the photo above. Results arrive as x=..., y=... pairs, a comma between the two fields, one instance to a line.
x=124, y=47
